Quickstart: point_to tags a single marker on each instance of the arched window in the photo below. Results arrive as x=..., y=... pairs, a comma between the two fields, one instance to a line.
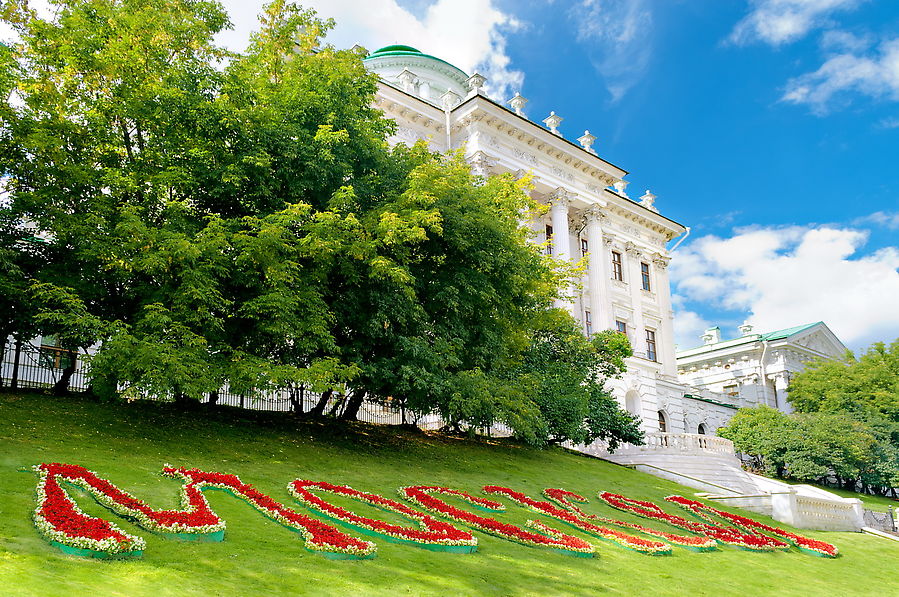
x=701, y=430
x=663, y=422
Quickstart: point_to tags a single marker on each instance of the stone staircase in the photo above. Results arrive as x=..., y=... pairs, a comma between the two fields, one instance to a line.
x=709, y=464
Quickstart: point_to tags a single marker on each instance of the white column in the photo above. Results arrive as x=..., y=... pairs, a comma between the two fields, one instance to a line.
x=635, y=283
x=561, y=234
x=781, y=382
x=598, y=271
x=665, y=336
x=561, y=239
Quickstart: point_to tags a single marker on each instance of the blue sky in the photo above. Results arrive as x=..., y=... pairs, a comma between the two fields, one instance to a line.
x=770, y=127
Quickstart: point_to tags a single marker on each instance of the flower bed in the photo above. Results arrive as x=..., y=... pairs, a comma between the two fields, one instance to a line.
x=436, y=534
x=721, y=534
x=60, y=520
x=64, y=525
x=566, y=500
x=805, y=544
x=553, y=539
x=619, y=538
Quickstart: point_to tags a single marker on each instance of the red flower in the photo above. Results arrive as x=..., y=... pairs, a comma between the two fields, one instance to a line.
x=420, y=495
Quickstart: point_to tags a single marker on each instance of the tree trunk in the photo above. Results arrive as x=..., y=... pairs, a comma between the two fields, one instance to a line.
x=295, y=395
x=213, y=397
x=61, y=387
x=3, y=337
x=353, y=405
x=319, y=409
x=337, y=404
x=182, y=400
x=14, y=383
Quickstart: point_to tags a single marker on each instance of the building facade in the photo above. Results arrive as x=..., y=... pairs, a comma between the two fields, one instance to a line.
x=755, y=369
x=625, y=242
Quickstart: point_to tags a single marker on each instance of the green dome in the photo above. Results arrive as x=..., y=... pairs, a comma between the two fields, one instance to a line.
x=403, y=50
x=396, y=48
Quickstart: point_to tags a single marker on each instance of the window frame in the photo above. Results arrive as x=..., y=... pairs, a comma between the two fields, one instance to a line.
x=652, y=347
x=617, y=267
x=645, y=276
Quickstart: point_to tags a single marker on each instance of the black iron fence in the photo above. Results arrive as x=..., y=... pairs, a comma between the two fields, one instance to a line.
x=29, y=365
x=34, y=365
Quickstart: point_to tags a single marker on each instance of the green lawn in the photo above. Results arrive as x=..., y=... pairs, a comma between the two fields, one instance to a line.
x=129, y=444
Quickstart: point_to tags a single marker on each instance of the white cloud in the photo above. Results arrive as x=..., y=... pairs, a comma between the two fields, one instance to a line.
x=618, y=36
x=880, y=218
x=783, y=277
x=688, y=328
x=876, y=75
x=470, y=34
x=781, y=21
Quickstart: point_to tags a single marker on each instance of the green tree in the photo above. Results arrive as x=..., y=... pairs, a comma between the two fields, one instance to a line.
x=809, y=446
x=565, y=375
x=188, y=206
x=239, y=219
x=865, y=384
x=453, y=289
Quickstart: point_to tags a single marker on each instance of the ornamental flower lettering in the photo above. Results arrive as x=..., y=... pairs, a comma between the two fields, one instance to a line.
x=812, y=546
x=436, y=534
x=726, y=535
x=566, y=500
x=623, y=539
x=58, y=518
x=553, y=539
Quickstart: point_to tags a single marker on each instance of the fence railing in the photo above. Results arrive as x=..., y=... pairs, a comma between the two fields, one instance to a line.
x=28, y=365
x=882, y=521
x=31, y=365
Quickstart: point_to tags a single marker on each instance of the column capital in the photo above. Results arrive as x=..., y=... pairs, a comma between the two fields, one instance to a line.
x=632, y=249
x=561, y=197
x=594, y=214
x=660, y=261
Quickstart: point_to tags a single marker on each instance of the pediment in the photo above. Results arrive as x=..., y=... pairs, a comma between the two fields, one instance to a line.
x=819, y=340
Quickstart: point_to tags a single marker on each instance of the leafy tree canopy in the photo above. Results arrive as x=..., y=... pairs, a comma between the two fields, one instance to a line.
x=237, y=219
x=865, y=385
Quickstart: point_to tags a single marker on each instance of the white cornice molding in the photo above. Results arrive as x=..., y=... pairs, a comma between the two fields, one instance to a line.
x=534, y=135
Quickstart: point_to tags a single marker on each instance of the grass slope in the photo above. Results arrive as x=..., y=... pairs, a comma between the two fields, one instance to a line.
x=129, y=444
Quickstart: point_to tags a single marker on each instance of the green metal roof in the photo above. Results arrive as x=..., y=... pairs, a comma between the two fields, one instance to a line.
x=401, y=50
x=787, y=332
x=776, y=335
x=710, y=401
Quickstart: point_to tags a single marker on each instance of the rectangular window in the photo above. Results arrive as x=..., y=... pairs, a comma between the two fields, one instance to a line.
x=585, y=248
x=588, y=323
x=651, y=346
x=732, y=390
x=644, y=272
x=621, y=327
x=549, y=239
x=617, y=271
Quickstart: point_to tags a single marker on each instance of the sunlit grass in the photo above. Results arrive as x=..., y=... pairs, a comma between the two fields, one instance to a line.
x=128, y=444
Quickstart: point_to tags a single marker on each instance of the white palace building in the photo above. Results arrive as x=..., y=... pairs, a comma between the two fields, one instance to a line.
x=681, y=399
x=625, y=285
